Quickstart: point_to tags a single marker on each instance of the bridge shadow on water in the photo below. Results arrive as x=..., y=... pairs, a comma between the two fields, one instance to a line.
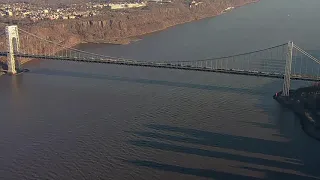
x=51, y=72
x=260, y=92
x=250, y=156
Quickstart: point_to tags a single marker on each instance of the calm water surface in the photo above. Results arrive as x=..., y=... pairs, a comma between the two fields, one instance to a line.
x=65, y=120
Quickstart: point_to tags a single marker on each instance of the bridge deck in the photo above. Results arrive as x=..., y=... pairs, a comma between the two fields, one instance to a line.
x=167, y=66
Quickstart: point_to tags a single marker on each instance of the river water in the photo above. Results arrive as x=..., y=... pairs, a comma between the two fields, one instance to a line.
x=65, y=120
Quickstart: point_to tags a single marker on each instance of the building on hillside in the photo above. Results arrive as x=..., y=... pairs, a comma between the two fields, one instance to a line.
x=126, y=5
x=72, y=17
x=9, y=13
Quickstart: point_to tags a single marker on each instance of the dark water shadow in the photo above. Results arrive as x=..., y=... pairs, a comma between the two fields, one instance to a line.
x=281, y=112
x=257, y=152
x=196, y=137
x=213, y=139
x=207, y=173
x=260, y=125
x=50, y=72
x=212, y=154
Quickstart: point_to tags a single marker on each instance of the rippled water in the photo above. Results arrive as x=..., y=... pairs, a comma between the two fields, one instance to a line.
x=66, y=120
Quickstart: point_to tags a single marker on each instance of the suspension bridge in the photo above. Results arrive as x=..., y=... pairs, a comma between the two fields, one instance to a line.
x=286, y=61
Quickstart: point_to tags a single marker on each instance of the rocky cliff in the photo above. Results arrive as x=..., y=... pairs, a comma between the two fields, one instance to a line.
x=121, y=26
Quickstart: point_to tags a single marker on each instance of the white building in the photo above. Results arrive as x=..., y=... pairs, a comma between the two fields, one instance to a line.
x=9, y=13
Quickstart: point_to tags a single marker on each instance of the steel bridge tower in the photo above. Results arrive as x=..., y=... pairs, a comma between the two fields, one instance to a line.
x=13, y=44
x=287, y=70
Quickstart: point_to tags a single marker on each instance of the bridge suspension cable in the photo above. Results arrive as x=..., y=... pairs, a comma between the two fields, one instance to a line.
x=64, y=48
x=231, y=56
x=304, y=64
x=268, y=62
x=307, y=54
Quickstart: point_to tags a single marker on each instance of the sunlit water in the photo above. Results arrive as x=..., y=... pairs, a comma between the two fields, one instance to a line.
x=65, y=120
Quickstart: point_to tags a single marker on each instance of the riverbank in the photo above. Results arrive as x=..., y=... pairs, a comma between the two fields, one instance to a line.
x=121, y=27
x=309, y=122
x=134, y=24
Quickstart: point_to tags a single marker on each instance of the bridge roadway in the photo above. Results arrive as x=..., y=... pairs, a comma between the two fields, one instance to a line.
x=167, y=66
